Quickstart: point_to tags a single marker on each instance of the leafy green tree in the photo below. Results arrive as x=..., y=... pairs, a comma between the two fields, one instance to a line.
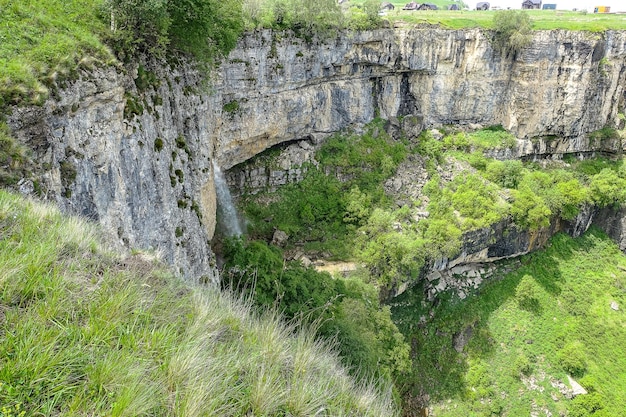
x=528, y=209
x=138, y=26
x=572, y=359
x=205, y=28
x=306, y=18
x=608, y=188
x=358, y=206
x=364, y=16
x=505, y=173
x=389, y=246
x=513, y=30
x=572, y=195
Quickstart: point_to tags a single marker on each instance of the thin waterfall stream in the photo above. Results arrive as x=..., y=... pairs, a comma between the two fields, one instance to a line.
x=227, y=213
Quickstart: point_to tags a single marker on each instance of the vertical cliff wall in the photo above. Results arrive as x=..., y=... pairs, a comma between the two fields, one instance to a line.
x=133, y=147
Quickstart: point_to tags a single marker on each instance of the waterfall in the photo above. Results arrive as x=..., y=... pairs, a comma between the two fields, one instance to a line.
x=227, y=214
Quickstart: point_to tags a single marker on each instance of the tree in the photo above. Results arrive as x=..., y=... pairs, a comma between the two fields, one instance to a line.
x=513, y=30
x=608, y=188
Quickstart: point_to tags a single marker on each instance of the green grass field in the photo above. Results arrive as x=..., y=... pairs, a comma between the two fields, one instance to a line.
x=541, y=19
x=529, y=330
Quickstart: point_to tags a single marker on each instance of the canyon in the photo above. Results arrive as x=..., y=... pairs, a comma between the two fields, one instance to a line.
x=133, y=147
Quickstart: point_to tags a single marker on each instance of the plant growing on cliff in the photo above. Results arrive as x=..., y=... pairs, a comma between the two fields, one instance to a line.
x=513, y=30
x=12, y=157
x=203, y=28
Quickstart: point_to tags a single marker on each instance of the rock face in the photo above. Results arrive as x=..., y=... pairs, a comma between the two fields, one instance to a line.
x=133, y=148
x=565, y=84
x=147, y=178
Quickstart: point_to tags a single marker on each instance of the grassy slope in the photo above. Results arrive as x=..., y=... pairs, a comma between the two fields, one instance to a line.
x=42, y=42
x=86, y=332
x=573, y=283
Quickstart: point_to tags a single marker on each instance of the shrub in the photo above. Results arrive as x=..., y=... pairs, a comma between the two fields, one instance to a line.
x=607, y=188
x=507, y=174
x=364, y=16
x=528, y=210
x=513, y=30
x=572, y=359
x=522, y=366
x=587, y=405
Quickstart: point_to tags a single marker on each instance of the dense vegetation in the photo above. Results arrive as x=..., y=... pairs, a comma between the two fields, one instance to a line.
x=347, y=310
x=340, y=207
x=529, y=329
x=84, y=331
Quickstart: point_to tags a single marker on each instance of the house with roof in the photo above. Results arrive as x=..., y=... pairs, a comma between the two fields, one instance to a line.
x=453, y=7
x=531, y=4
x=483, y=5
x=427, y=6
x=411, y=6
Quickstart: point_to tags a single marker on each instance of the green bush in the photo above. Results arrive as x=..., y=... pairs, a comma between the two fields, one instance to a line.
x=513, y=30
x=608, y=188
x=587, y=405
x=390, y=247
x=526, y=294
x=572, y=359
x=522, y=366
x=529, y=211
x=506, y=174
x=364, y=16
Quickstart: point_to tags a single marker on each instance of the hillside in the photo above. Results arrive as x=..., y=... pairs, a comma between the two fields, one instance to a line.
x=509, y=349
x=86, y=331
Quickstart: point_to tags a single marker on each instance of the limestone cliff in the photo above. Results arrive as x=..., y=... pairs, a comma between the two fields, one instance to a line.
x=133, y=147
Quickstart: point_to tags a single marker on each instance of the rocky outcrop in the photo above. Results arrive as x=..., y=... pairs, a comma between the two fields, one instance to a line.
x=133, y=148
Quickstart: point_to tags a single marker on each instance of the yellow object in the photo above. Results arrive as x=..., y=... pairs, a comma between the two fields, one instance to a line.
x=602, y=9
